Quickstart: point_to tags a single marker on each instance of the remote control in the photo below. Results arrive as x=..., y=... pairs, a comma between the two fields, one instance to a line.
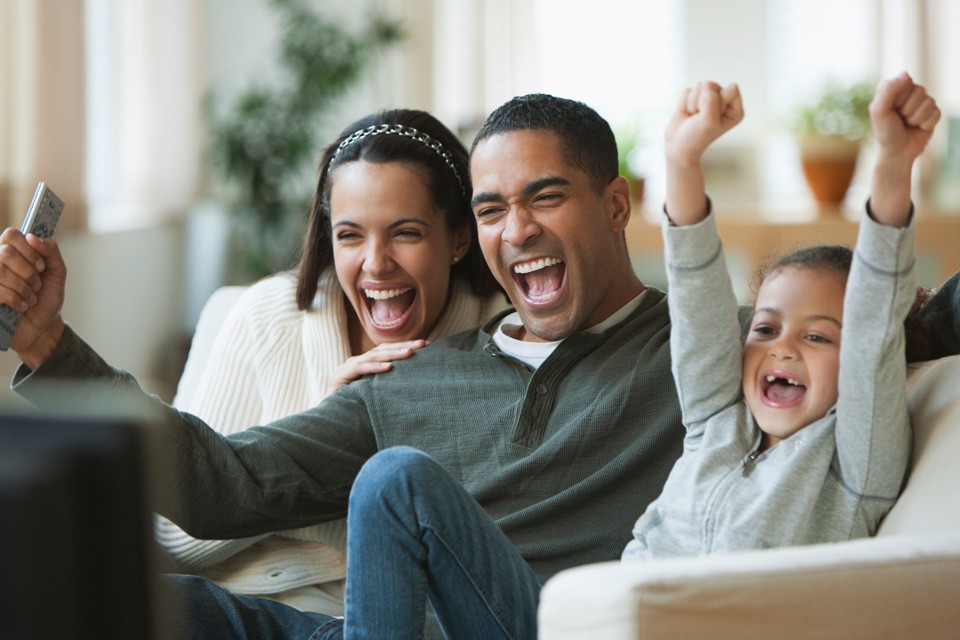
x=41, y=220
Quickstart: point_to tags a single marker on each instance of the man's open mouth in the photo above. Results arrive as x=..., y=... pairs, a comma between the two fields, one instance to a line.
x=540, y=280
x=389, y=308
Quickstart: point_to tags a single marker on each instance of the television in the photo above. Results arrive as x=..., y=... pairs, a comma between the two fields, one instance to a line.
x=77, y=557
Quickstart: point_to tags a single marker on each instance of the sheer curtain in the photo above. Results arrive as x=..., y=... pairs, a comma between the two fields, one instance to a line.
x=144, y=123
x=41, y=105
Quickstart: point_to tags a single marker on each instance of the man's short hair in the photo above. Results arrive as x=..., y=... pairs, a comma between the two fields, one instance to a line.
x=586, y=138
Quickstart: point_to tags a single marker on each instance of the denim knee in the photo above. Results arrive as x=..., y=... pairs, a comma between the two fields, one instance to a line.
x=394, y=468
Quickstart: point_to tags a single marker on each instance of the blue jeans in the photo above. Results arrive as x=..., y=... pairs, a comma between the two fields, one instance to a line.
x=414, y=533
x=213, y=613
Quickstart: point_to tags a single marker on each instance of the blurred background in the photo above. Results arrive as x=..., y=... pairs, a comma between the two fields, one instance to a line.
x=183, y=134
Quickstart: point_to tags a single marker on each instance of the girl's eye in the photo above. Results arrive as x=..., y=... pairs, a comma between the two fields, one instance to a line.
x=818, y=338
x=764, y=330
x=346, y=236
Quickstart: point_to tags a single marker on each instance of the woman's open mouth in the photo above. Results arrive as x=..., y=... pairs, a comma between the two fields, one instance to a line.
x=389, y=309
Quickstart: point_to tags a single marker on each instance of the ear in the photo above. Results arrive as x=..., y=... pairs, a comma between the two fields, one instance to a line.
x=617, y=198
x=461, y=243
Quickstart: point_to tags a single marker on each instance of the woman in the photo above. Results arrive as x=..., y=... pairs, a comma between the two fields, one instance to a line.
x=390, y=261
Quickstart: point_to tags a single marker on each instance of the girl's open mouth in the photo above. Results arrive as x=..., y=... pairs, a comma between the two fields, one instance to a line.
x=781, y=391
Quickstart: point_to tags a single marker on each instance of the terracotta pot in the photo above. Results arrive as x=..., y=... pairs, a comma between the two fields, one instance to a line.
x=828, y=165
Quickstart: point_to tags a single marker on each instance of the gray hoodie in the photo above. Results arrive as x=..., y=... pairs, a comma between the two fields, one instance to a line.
x=832, y=480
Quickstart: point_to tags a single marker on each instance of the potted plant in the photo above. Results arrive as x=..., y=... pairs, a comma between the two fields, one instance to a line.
x=263, y=147
x=830, y=130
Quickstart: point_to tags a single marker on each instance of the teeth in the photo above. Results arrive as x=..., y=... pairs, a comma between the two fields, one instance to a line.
x=787, y=380
x=536, y=265
x=384, y=294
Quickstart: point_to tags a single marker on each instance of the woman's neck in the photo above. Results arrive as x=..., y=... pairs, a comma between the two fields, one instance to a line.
x=360, y=342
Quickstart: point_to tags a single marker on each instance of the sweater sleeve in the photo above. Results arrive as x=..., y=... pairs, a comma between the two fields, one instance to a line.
x=291, y=473
x=705, y=331
x=873, y=432
x=227, y=398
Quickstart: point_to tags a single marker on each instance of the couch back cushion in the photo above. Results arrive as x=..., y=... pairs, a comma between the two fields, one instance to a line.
x=930, y=502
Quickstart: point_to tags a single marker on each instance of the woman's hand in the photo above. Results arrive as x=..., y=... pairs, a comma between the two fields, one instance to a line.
x=32, y=280
x=377, y=360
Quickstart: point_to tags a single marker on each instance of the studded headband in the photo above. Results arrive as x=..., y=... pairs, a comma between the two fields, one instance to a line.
x=408, y=132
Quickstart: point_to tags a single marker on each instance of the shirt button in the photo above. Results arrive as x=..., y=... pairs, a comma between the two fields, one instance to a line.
x=541, y=389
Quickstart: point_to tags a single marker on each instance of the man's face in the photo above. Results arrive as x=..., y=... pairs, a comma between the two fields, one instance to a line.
x=550, y=239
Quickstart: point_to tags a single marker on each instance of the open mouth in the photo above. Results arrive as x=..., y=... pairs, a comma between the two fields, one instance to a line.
x=389, y=308
x=782, y=391
x=540, y=280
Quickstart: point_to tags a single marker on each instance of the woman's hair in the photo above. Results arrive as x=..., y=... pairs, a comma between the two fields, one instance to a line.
x=829, y=257
x=411, y=137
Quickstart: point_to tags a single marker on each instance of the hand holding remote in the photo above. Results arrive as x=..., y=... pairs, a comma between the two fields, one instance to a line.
x=32, y=278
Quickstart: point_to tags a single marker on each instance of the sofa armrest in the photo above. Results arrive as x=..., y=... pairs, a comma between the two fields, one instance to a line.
x=892, y=587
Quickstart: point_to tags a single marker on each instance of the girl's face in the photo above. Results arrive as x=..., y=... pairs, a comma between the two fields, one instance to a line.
x=392, y=249
x=791, y=358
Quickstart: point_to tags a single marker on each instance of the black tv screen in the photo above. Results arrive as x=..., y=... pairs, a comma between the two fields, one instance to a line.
x=77, y=558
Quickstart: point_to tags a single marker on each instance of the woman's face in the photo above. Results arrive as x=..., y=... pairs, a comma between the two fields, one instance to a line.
x=391, y=248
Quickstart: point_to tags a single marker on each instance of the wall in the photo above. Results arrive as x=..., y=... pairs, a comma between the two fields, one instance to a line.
x=124, y=297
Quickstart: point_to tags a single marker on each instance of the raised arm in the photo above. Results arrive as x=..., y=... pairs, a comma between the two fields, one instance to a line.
x=705, y=333
x=704, y=114
x=903, y=118
x=873, y=438
x=32, y=280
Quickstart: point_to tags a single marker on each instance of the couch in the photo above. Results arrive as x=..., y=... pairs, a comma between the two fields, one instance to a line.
x=904, y=583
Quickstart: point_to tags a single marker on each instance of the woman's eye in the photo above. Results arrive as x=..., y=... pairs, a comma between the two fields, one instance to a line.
x=346, y=236
x=409, y=233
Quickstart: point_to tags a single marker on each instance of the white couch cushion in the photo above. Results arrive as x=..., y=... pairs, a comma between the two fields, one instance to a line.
x=930, y=502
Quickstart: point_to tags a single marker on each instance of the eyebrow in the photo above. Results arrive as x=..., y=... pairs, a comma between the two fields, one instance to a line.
x=814, y=317
x=528, y=190
x=394, y=224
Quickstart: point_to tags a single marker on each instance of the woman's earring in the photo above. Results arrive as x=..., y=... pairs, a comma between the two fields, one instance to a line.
x=455, y=260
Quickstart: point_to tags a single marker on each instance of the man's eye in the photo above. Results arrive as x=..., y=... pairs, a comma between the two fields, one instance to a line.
x=487, y=212
x=547, y=197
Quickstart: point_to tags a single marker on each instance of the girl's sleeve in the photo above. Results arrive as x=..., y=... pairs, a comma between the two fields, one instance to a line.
x=705, y=331
x=873, y=430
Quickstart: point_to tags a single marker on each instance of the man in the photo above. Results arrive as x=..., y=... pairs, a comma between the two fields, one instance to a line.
x=561, y=421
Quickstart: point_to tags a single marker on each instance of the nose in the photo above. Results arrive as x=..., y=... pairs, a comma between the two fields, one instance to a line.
x=377, y=259
x=520, y=227
x=784, y=348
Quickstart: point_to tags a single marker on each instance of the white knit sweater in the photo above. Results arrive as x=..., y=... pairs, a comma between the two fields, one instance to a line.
x=271, y=360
